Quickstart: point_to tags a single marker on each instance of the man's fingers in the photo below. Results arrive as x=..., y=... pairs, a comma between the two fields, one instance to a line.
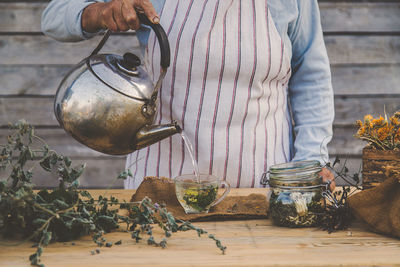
x=119, y=18
x=332, y=186
x=148, y=10
x=328, y=176
x=120, y=15
x=130, y=16
x=108, y=19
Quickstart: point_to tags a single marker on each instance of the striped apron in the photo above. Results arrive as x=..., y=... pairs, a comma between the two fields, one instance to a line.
x=226, y=87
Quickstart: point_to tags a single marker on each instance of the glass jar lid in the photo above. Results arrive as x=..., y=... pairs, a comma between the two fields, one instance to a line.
x=297, y=174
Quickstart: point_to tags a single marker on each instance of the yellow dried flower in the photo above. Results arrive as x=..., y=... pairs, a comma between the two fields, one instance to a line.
x=395, y=121
x=368, y=117
x=378, y=122
x=361, y=131
x=367, y=121
x=383, y=133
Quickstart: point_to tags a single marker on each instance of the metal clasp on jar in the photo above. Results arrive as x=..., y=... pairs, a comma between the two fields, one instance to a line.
x=264, y=178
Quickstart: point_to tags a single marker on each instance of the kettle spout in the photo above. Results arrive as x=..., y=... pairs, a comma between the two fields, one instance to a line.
x=150, y=134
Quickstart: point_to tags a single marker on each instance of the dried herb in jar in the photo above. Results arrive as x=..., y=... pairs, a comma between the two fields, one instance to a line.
x=295, y=209
x=296, y=193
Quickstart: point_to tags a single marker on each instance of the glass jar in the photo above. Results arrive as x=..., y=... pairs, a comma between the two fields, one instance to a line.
x=296, y=193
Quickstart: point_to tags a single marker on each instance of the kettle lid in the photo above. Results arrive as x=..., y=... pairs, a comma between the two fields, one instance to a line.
x=122, y=74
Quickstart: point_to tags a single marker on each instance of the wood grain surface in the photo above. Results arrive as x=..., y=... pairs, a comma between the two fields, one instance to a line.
x=39, y=110
x=335, y=16
x=39, y=80
x=28, y=49
x=249, y=243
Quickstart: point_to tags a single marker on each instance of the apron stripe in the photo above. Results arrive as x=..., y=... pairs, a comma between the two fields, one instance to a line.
x=283, y=106
x=160, y=91
x=281, y=88
x=277, y=100
x=205, y=72
x=174, y=77
x=248, y=100
x=217, y=101
x=128, y=182
x=189, y=75
x=234, y=92
x=290, y=131
x=146, y=161
x=263, y=82
x=160, y=98
x=136, y=163
x=269, y=104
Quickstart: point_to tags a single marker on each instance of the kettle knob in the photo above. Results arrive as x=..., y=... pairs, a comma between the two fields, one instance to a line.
x=130, y=61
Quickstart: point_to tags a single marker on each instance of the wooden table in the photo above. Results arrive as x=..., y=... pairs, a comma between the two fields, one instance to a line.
x=250, y=243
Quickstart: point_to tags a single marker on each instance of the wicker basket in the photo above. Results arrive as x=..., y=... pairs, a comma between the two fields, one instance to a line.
x=374, y=163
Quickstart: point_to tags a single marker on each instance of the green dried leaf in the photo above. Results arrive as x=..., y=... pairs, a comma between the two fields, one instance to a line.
x=60, y=204
x=3, y=185
x=77, y=172
x=123, y=175
x=34, y=259
x=67, y=161
x=39, y=221
x=46, y=238
x=45, y=163
x=86, y=194
x=150, y=241
x=163, y=243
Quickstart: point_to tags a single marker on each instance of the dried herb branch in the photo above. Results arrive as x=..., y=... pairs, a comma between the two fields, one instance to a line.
x=66, y=213
x=337, y=214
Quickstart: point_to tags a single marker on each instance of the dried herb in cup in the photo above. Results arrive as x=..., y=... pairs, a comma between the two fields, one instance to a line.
x=200, y=198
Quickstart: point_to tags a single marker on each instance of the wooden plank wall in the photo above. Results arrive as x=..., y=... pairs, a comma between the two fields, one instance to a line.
x=362, y=38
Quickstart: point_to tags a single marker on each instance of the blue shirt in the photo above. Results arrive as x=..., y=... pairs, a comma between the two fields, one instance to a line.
x=297, y=21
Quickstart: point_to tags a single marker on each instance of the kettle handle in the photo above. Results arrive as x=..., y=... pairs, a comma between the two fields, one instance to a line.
x=102, y=42
x=162, y=40
x=161, y=36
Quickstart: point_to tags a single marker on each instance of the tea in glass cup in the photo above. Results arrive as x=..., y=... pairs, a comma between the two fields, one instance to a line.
x=199, y=194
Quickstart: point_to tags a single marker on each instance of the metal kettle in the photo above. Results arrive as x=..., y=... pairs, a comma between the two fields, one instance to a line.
x=108, y=102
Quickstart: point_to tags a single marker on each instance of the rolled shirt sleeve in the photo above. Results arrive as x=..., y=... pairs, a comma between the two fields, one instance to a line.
x=61, y=20
x=310, y=87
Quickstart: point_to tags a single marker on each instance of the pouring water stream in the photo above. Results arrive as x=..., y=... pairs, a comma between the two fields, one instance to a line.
x=189, y=147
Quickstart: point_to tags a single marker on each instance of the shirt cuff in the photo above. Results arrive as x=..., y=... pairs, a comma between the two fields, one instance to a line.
x=73, y=19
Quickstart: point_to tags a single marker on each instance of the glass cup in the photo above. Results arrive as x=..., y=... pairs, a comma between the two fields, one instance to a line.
x=199, y=197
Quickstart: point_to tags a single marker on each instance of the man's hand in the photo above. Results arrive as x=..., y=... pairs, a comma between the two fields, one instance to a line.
x=327, y=175
x=117, y=15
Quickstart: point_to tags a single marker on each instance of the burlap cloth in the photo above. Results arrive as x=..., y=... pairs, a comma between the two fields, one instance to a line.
x=162, y=190
x=379, y=207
